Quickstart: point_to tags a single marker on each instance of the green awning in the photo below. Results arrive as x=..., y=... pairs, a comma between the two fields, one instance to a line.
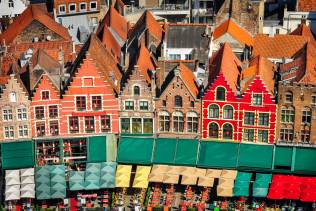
x=263, y=177
x=243, y=176
x=255, y=156
x=261, y=185
x=57, y=182
x=96, y=149
x=17, y=155
x=136, y=150
x=187, y=150
x=164, y=152
x=305, y=159
x=241, y=191
x=260, y=192
x=218, y=154
x=76, y=180
x=107, y=178
x=241, y=185
x=42, y=182
x=283, y=156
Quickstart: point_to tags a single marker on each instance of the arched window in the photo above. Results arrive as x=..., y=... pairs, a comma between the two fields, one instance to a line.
x=288, y=97
x=178, y=101
x=227, y=131
x=136, y=91
x=228, y=112
x=220, y=94
x=178, y=122
x=193, y=122
x=213, y=111
x=213, y=130
x=306, y=115
x=164, y=121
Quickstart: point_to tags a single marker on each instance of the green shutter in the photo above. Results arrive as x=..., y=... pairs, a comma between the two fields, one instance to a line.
x=186, y=152
x=97, y=149
x=16, y=155
x=283, y=156
x=135, y=150
x=165, y=149
x=218, y=154
x=255, y=156
x=305, y=159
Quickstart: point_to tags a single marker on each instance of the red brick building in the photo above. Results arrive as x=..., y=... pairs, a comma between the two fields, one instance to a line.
x=238, y=104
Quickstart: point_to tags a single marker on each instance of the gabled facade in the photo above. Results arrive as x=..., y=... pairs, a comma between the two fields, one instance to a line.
x=136, y=98
x=15, y=115
x=178, y=105
x=90, y=104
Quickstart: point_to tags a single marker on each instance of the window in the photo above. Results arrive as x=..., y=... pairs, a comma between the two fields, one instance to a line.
x=257, y=99
x=125, y=125
x=39, y=112
x=263, y=136
x=72, y=7
x=53, y=128
x=88, y=82
x=12, y=97
x=220, y=94
x=74, y=124
x=75, y=152
x=40, y=129
x=248, y=135
x=83, y=6
x=286, y=134
x=249, y=118
x=164, y=121
x=21, y=114
x=53, y=111
x=214, y=111
x=93, y=5
x=213, y=130
x=288, y=97
x=136, y=91
x=106, y=123
x=314, y=98
x=287, y=114
x=129, y=105
x=96, y=103
x=7, y=115
x=188, y=56
x=148, y=125
x=306, y=115
x=11, y=3
x=193, y=122
x=9, y=132
x=305, y=134
x=263, y=119
x=45, y=95
x=23, y=131
x=136, y=125
x=89, y=124
x=62, y=8
x=228, y=112
x=192, y=104
x=164, y=103
x=143, y=105
x=81, y=103
x=177, y=101
x=174, y=56
x=178, y=122
x=227, y=131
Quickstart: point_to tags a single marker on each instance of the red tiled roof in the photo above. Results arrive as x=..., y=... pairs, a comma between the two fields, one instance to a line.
x=309, y=76
x=111, y=44
x=33, y=12
x=279, y=46
x=305, y=31
x=225, y=61
x=145, y=63
x=189, y=79
x=4, y=80
x=262, y=67
x=307, y=5
x=234, y=30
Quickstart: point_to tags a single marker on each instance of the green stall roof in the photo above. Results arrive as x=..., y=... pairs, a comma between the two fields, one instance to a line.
x=305, y=159
x=241, y=191
x=97, y=149
x=165, y=150
x=263, y=177
x=255, y=156
x=17, y=155
x=186, y=152
x=135, y=150
x=218, y=154
x=283, y=156
x=260, y=192
x=243, y=176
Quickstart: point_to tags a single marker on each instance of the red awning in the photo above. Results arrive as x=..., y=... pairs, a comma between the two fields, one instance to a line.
x=308, y=196
x=285, y=187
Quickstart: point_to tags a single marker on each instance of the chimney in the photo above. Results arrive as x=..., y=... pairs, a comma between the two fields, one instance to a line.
x=303, y=21
x=153, y=83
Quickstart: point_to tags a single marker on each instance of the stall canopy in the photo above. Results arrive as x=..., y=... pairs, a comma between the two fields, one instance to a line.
x=136, y=150
x=186, y=152
x=92, y=176
x=261, y=185
x=17, y=155
x=157, y=173
x=97, y=149
x=218, y=154
x=123, y=175
x=283, y=156
x=76, y=180
x=57, y=182
x=226, y=183
x=107, y=178
x=242, y=182
x=248, y=156
x=285, y=187
x=305, y=160
x=42, y=182
x=141, y=177
x=165, y=150
x=308, y=189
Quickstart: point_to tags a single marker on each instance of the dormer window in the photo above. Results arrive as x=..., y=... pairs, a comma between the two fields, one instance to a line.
x=45, y=95
x=136, y=91
x=257, y=99
x=72, y=8
x=11, y=3
x=93, y=5
x=220, y=94
x=62, y=8
x=83, y=6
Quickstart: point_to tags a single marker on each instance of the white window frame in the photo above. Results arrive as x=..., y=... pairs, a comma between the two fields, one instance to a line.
x=7, y=114
x=23, y=128
x=59, y=6
x=22, y=112
x=72, y=11
x=96, y=5
x=10, y=128
x=83, y=10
